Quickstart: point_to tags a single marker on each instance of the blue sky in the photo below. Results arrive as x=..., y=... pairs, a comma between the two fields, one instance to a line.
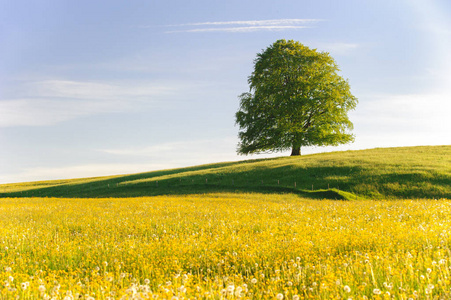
x=92, y=88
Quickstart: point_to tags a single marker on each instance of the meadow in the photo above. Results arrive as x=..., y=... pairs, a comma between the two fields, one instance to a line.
x=255, y=229
x=383, y=173
x=224, y=246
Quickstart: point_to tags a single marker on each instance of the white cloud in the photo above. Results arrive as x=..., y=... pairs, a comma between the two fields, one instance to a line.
x=49, y=102
x=94, y=90
x=192, y=150
x=80, y=171
x=257, y=23
x=246, y=26
x=337, y=48
x=155, y=157
x=41, y=112
x=403, y=120
x=241, y=29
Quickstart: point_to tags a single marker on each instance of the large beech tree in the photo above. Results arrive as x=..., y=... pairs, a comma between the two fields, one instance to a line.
x=296, y=99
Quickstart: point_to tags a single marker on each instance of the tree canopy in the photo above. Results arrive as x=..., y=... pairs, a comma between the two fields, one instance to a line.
x=296, y=99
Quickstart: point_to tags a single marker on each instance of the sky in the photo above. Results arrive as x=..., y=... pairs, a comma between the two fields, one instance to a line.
x=93, y=88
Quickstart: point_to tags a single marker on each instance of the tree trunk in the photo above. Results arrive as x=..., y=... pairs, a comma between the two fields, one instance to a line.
x=296, y=150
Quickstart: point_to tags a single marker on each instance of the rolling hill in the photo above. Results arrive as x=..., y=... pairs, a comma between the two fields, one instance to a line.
x=381, y=173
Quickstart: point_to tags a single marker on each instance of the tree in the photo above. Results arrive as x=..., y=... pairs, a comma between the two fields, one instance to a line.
x=296, y=99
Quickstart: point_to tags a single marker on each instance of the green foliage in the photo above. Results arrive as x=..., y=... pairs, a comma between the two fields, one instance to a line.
x=412, y=172
x=296, y=99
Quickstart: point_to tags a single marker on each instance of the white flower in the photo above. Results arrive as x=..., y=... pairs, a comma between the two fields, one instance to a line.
x=295, y=297
x=376, y=291
x=347, y=289
x=254, y=280
x=279, y=296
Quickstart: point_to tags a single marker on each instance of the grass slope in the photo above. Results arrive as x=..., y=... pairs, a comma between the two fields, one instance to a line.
x=409, y=172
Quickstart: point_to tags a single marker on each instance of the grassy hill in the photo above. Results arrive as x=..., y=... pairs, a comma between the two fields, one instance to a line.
x=383, y=173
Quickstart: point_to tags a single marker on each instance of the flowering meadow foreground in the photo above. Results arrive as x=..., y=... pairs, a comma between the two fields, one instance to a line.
x=224, y=246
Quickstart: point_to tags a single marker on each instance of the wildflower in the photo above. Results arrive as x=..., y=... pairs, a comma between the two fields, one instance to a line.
x=428, y=270
x=41, y=288
x=296, y=297
x=376, y=291
x=254, y=280
x=146, y=281
x=388, y=286
x=289, y=283
x=24, y=285
x=279, y=296
x=8, y=269
x=238, y=291
x=347, y=289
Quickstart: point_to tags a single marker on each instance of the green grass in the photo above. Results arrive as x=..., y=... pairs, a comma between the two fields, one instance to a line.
x=382, y=173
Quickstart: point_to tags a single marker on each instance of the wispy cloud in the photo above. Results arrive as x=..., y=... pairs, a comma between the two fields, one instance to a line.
x=402, y=120
x=337, y=48
x=140, y=159
x=80, y=171
x=40, y=103
x=245, y=26
x=193, y=149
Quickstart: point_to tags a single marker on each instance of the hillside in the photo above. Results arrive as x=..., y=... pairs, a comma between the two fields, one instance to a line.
x=382, y=173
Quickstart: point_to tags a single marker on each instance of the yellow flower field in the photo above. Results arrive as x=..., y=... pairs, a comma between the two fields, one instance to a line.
x=224, y=246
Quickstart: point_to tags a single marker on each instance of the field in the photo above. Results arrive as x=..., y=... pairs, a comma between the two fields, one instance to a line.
x=256, y=229
x=384, y=173
x=224, y=246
